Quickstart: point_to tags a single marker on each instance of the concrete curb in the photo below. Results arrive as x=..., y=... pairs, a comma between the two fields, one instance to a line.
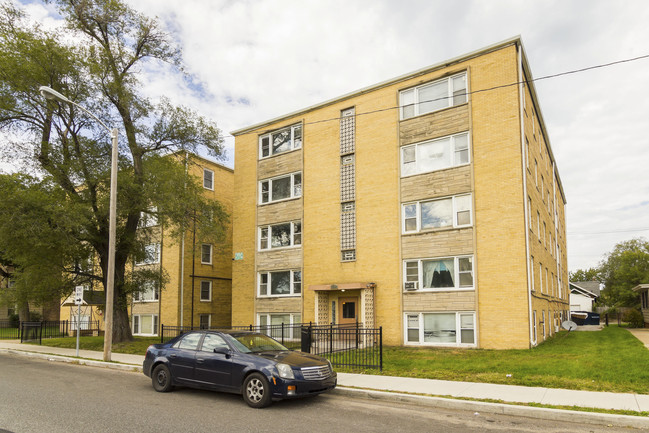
x=499, y=408
x=79, y=361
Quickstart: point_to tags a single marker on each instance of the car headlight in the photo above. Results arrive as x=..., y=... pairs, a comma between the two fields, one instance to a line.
x=331, y=368
x=285, y=371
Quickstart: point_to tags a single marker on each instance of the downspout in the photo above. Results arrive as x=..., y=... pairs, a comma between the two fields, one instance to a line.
x=521, y=94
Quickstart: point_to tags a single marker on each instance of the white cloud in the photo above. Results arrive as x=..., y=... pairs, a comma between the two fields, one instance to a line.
x=254, y=60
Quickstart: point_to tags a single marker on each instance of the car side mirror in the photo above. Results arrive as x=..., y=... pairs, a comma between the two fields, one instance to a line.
x=223, y=350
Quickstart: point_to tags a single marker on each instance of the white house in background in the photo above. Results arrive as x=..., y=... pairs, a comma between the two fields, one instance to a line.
x=583, y=294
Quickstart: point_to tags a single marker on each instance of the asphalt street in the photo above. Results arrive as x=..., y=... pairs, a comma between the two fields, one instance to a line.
x=43, y=396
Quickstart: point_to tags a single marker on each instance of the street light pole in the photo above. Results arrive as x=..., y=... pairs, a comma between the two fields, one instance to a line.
x=49, y=93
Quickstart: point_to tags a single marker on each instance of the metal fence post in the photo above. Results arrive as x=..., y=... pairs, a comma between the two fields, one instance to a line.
x=381, y=348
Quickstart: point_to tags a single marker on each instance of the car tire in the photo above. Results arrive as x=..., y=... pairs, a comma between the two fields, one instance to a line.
x=161, y=378
x=256, y=391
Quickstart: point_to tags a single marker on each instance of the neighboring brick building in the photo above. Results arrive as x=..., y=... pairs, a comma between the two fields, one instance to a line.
x=429, y=204
x=200, y=274
x=199, y=288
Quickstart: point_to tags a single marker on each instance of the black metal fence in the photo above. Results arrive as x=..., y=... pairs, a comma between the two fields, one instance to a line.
x=348, y=346
x=36, y=331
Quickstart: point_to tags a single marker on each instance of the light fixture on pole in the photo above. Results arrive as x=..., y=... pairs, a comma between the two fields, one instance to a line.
x=49, y=93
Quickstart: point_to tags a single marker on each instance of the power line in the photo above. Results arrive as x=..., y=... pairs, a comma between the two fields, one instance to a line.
x=610, y=231
x=517, y=83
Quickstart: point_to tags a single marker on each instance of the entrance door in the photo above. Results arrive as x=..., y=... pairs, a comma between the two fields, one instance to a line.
x=348, y=311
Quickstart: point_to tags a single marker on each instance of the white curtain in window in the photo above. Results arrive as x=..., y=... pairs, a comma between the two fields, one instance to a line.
x=438, y=273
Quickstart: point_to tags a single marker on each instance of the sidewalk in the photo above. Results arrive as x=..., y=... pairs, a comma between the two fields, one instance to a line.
x=427, y=392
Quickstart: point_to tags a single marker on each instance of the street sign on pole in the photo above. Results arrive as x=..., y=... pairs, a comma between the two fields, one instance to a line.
x=78, y=295
x=78, y=300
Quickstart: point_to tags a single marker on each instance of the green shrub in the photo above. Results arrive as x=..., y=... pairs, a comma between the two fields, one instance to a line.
x=634, y=318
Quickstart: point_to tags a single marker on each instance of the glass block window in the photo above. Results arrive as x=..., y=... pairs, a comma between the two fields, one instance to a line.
x=347, y=131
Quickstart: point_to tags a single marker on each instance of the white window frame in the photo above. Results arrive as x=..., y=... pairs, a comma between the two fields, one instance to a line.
x=151, y=255
x=150, y=292
x=203, y=262
x=456, y=274
x=295, y=192
x=264, y=281
x=453, y=151
x=454, y=209
x=267, y=329
x=265, y=234
x=136, y=325
x=209, y=291
x=295, y=141
x=411, y=97
x=211, y=179
x=458, y=329
x=534, y=328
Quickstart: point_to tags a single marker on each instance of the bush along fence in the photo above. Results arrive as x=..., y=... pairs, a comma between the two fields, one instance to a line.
x=348, y=346
x=36, y=331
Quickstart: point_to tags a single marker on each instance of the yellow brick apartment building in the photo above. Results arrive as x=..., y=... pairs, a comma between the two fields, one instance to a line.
x=199, y=286
x=429, y=204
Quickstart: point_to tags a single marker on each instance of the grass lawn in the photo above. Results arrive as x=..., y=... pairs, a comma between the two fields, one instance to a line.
x=136, y=347
x=9, y=333
x=608, y=360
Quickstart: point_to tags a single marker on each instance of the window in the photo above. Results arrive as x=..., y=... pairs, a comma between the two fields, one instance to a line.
x=445, y=152
x=280, y=188
x=206, y=254
x=280, y=283
x=541, y=276
x=280, y=235
x=282, y=140
x=206, y=290
x=538, y=225
x=148, y=293
x=534, y=335
x=205, y=320
x=208, y=179
x=149, y=218
x=189, y=341
x=448, y=329
x=213, y=341
x=145, y=324
x=447, y=212
x=274, y=324
x=449, y=273
x=151, y=255
x=543, y=322
x=532, y=271
x=434, y=96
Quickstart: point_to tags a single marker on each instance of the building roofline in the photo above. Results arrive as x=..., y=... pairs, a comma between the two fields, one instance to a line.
x=197, y=156
x=423, y=71
x=584, y=291
x=516, y=40
x=640, y=287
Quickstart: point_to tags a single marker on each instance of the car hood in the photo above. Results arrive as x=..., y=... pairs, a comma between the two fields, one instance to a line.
x=294, y=359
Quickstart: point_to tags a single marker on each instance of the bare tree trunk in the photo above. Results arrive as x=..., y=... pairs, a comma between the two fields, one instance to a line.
x=23, y=311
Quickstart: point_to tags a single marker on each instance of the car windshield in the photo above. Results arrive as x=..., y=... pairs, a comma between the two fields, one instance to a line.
x=247, y=343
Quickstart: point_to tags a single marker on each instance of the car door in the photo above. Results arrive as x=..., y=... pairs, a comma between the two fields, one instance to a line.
x=214, y=369
x=183, y=357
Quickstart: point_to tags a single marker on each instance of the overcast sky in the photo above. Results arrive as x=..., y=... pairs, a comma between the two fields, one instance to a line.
x=257, y=59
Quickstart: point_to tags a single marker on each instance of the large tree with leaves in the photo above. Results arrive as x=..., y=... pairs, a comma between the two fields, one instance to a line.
x=624, y=268
x=95, y=61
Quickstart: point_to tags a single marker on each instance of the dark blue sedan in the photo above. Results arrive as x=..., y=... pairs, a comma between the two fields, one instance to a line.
x=247, y=363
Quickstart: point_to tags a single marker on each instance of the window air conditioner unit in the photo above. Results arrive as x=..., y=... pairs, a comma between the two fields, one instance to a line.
x=411, y=285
